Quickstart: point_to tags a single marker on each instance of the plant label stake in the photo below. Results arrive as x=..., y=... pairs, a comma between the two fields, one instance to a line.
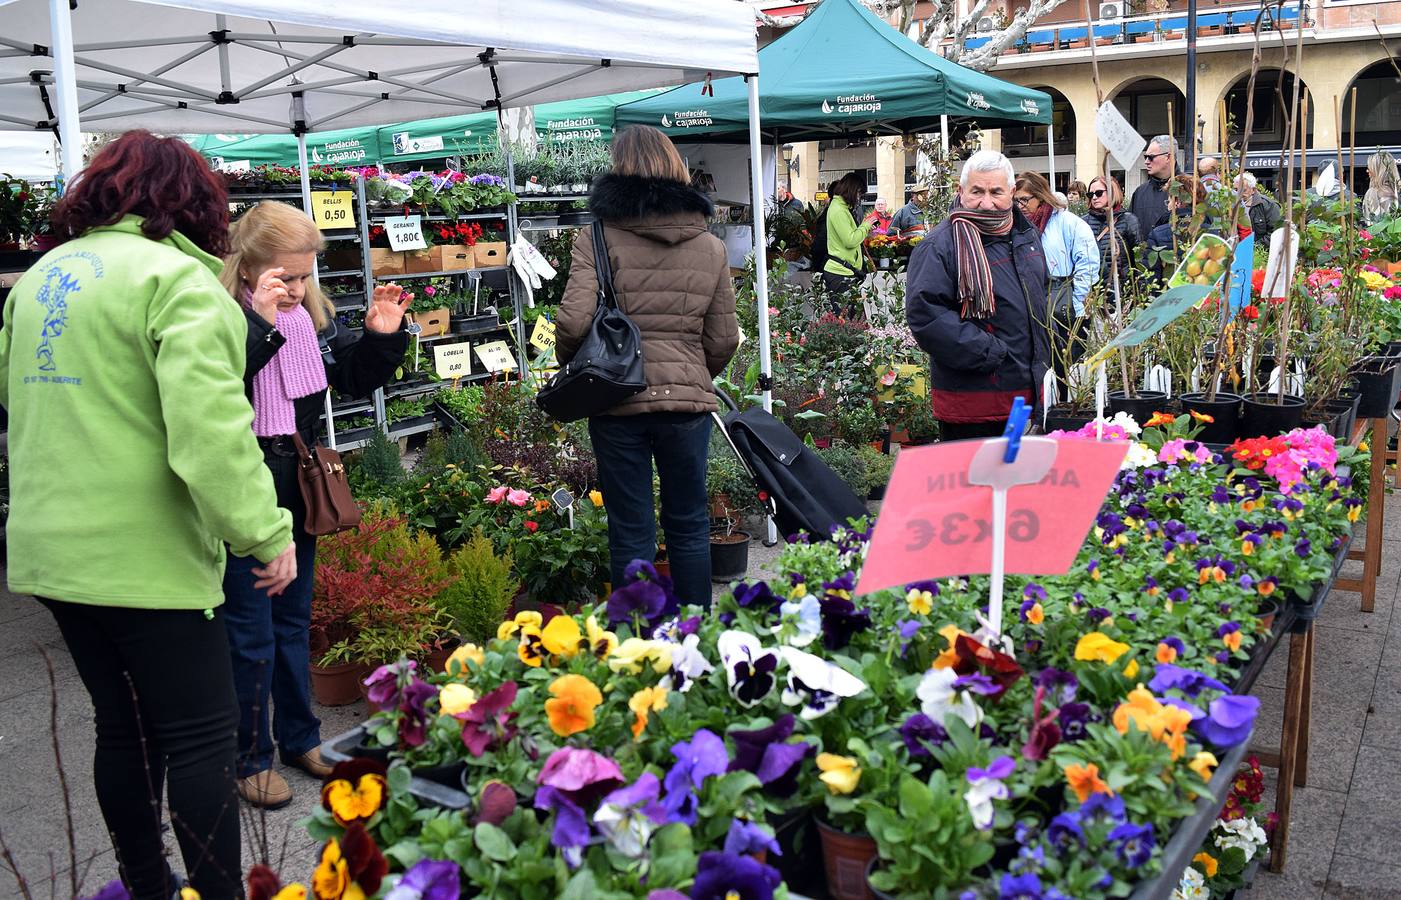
x=1101, y=396
x=1002, y=463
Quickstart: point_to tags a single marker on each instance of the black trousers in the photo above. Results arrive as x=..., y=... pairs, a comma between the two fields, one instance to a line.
x=162, y=691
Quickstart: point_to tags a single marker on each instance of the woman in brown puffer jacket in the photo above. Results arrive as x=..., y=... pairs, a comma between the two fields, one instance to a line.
x=672, y=278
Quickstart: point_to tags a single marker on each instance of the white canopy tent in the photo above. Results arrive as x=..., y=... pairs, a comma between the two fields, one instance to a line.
x=194, y=66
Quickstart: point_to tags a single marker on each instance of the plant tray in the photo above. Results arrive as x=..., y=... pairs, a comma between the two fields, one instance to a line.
x=1191, y=831
x=342, y=747
x=1306, y=609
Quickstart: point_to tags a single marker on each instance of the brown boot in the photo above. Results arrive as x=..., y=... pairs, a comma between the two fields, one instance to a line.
x=266, y=789
x=311, y=763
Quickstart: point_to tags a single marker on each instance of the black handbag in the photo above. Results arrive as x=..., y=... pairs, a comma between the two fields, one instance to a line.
x=607, y=368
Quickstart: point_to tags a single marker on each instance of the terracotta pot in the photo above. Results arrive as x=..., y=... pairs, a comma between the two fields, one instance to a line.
x=1392, y=268
x=846, y=857
x=1143, y=38
x=902, y=436
x=1104, y=42
x=1267, y=612
x=1209, y=31
x=1076, y=45
x=437, y=661
x=337, y=685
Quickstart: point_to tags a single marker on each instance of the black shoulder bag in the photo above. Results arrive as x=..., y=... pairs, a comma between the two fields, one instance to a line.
x=607, y=368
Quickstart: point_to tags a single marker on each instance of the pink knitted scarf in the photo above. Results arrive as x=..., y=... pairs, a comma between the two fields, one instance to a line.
x=294, y=371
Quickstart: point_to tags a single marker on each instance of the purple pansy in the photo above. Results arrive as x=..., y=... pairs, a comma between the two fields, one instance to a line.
x=1167, y=676
x=725, y=876
x=1133, y=843
x=764, y=752
x=429, y=879
x=1228, y=720
x=919, y=730
x=748, y=839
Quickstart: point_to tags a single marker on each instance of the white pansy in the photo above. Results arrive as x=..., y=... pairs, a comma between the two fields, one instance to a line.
x=816, y=684
x=804, y=613
x=687, y=664
x=627, y=829
x=1243, y=833
x=750, y=670
x=1191, y=887
x=938, y=698
x=979, y=797
x=1139, y=456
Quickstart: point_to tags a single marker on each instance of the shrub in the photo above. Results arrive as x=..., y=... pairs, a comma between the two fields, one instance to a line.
x=849, y=466
x=375, y=470
x=878, y=466
x=482, y=588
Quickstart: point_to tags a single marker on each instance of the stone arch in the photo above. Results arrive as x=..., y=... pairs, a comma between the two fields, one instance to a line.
x=1378, y=105
x=1028, y=142
x=1143, y=100
x=1272, y=98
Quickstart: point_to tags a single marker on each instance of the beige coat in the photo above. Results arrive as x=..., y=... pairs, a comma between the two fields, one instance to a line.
x=671, y=277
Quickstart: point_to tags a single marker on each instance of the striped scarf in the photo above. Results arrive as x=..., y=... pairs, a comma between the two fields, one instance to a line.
x=974, y=273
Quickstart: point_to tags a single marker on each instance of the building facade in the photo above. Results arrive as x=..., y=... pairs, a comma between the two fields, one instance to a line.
x=1142, y=62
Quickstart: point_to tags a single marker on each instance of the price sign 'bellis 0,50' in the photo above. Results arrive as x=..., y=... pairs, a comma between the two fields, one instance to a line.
x=936, y=521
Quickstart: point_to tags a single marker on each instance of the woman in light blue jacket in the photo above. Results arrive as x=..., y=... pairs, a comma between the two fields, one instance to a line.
x=1072, y=259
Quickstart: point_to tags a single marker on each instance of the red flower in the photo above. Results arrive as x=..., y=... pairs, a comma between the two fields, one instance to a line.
x=1257, y=280
x=973, y=658
x=1250, y=311
x=531, y=526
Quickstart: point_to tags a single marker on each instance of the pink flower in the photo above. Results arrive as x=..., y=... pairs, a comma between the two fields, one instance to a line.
x=518, y=497
x=430, y=290
x=1364, y=234
x=497, y=494
x=888, y=378
x=1393, y=292
x=1176, y=449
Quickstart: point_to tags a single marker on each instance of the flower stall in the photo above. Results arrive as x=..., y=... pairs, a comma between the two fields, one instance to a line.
x=798, y=737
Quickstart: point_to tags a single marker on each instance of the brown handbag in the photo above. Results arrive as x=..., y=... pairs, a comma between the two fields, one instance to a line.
x=330, y=507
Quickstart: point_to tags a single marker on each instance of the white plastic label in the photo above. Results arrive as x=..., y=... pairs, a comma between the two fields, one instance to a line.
x=453, y=361
x=405, y=232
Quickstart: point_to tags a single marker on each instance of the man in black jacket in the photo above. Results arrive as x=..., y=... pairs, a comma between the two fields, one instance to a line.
x=1149, y=203
x=1265, y=215
x=976, y=302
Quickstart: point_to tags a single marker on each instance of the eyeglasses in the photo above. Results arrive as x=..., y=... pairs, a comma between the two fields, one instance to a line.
x=1023, y=201
x=1152, y=156
x=1098, y=193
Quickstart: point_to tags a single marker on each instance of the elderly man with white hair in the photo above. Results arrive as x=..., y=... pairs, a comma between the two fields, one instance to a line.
x=1149, y=203
x=975, y=299
x=1264, y=212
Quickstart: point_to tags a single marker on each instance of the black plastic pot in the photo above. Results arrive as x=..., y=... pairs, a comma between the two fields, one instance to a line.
x=1063, y=418
x=1141, y=407
x=1345, y=416
x=448, y=774
x=1378, y=379
x=1265, y=417
x=875, y=892
x=1224, y=411
x=800, y=864
x=729, y=559
x=877, y=492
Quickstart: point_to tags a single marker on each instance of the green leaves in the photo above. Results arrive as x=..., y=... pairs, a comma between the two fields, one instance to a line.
x=493, y=842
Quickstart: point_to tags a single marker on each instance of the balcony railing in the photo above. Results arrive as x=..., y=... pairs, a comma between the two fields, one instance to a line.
x=1158, y=27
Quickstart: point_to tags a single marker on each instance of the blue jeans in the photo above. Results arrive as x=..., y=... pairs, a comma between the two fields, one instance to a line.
x=269, y=642
x=625, y=447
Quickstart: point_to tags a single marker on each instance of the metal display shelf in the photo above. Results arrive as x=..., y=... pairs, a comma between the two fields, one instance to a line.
x=340, y=273
x=347, y=235
x=500, y=326
x=412, y=390
x=418, y=428
x=408, y=275
x=460, y=217
x=549, y=198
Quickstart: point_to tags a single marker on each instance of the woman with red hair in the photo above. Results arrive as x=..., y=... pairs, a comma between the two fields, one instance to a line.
x=133, y=464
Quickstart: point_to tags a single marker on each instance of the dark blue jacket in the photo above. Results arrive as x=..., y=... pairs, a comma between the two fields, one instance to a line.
x=979, y=366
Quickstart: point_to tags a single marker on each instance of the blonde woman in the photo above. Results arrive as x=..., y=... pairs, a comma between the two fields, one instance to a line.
x=295, y=351
x=1383, y=188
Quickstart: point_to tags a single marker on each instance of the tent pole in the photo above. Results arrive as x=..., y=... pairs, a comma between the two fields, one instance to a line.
x=944, y=134
x=305, y=173
x=70, y=133
x=1051, y=154
x=761, y=262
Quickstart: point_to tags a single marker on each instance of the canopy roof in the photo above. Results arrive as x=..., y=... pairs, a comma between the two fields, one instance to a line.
x=843, y=70
x=207, y=66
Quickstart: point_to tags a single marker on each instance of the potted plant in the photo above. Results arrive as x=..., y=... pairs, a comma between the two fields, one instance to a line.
x=729, y=550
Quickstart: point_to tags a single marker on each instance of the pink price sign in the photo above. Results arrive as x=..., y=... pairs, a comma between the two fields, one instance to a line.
x=936, y=523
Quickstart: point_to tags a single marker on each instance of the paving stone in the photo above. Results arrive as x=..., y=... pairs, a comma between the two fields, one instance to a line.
x=1313, y=834
x=1343, y=609
x=1369, y=827
x=1383, y=727
x=1354, y=878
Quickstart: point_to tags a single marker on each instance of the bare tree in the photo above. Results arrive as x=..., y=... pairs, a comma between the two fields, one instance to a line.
x=945, y=22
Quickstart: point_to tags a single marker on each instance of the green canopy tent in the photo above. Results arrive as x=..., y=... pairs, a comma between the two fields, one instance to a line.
x=841, y=70
x=345, y=147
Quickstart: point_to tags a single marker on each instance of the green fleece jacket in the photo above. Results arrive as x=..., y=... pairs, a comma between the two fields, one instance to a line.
x=844, y=239
x=132, y=452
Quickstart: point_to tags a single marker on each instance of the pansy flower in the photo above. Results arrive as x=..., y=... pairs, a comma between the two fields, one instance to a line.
x=749, y=668
x=1084, y=780
x=635, y=654
x=803, y=614
x=355, y=790
x=646, y=701
x=938, y=698
x=919, y=732
x=350, y=867
x=766, y=753
x=727, y=876
x=702, y=757
x=985, y=786
x=601, y=642
x=687, y=664
x=750, y=838
x=841, y=620
x=1228, y=720
x=1133, y=844
x=487, y=722
x=973, y=657
x=816, y=684
x=1045, y=733
x=571, y=709
x=627, y=817
x=841, y=774
x=562, y=638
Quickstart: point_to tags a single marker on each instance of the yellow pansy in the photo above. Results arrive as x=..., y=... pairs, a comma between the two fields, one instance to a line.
x=596, y=497
x=1131, y=669
x=290, y=892
x=529, y=618
x=921, y=603
x=1203, y=763
x=1100, y=647
x=841, y=774
x=531, y=649
x=645, y=701
x=948, y=658
x=601, y=642
x=1036, y=615
x=635, y=653
x=332, y=876
x=562, y=636
x=465, y=654
x=356, y=802
x=455, y=698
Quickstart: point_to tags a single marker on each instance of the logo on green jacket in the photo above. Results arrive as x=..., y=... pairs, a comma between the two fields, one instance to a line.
x=59, y=281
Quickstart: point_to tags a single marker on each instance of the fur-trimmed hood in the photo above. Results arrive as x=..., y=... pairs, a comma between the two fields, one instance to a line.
x=656, y=208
